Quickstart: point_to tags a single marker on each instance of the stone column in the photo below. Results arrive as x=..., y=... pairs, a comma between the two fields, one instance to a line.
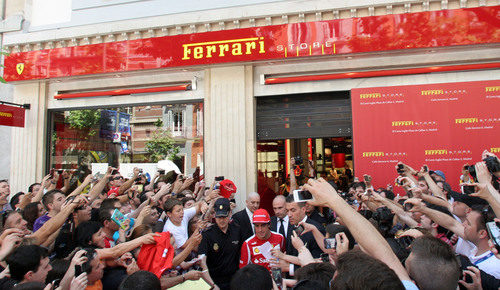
x=230, y=144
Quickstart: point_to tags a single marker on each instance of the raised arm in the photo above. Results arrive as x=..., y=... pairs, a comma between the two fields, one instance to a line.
x=82, y=186
x=438, y=217
x=122, y=248
x=436, y=191
x=362, y=230
x=45, y=184
x=293, y=180
x=99, y=186
x=57, y=221
x=129, y=182
x=397, y=209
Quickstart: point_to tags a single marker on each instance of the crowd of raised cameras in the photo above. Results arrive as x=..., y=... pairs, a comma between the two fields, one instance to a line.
x=83, y=232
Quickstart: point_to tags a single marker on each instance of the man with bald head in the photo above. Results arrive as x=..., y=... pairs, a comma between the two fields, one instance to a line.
x=280, y=222
x=243, y=217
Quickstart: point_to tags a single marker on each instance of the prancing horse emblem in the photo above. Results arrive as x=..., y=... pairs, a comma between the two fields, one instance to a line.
x=20, y=68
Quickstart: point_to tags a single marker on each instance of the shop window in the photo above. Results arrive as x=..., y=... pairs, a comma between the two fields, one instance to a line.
x=83, y=140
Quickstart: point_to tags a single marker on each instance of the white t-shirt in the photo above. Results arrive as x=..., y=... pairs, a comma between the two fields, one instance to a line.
x=464, y=247
x=180, y=233
x=487, y=262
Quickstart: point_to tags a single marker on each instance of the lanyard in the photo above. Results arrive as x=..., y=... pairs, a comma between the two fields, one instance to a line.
x=483, y=258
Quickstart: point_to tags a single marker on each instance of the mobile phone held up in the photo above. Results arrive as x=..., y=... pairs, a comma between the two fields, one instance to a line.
x=299, y=230
x=277, y=276
x=302, y=195
x=330, y=243
x=468, y=189
x=494, y=233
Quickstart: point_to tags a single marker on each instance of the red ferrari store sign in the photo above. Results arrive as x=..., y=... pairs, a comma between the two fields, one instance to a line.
x=11, y=116
x=342, y=36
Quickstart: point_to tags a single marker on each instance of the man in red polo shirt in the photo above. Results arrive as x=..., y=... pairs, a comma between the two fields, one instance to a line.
x=257, y=248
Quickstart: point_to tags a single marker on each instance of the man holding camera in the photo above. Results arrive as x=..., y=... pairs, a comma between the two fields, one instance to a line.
x=255, y=249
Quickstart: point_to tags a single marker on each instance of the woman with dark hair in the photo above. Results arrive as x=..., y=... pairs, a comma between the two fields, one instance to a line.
x=31, y=212
x=90, y=234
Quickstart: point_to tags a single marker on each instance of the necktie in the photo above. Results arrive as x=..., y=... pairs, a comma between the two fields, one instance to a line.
x=281, y=229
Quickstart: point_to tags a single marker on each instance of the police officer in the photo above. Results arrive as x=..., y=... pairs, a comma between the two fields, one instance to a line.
x=221, y=243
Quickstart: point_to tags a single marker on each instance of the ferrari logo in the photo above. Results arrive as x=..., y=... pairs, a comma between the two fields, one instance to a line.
x=216, y=247
x=20, y=68
x=221, y=207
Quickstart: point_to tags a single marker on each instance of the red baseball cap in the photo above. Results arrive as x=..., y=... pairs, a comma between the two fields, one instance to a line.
x=261, y=216
x=227, y=188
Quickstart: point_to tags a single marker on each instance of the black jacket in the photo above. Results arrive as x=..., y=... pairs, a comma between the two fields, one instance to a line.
x=308, y=240
x=274, y=228
x=241, y=219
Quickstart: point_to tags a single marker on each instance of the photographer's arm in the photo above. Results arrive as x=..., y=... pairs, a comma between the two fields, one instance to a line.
x=293, y=180
x=433, y=186
x=82, y=186
x=129, y=182
x=361, y=229
x=397, y=209
x=438, y=217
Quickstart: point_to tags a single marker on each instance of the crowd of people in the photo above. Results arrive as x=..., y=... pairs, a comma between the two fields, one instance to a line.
x=177, y=231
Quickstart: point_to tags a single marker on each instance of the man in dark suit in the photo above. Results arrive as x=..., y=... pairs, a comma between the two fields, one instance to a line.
x=243, y=217
x=297, y=215
x=280, y=223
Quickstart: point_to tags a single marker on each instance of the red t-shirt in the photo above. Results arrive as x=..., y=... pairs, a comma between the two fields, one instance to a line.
x=250, y=252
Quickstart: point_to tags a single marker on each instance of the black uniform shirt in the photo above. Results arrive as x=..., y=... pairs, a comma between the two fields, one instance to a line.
x=222, y=251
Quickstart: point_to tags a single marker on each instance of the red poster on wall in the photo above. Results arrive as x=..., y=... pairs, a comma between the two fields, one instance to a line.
x=442, y=125
x=11, y=116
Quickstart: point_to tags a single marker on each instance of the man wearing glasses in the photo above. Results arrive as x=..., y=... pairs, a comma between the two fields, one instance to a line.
x=118, y=185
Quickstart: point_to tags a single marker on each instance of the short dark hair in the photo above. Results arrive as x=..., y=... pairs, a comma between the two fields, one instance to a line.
x=105, y=214
x=320, y=272
x=141, y=280
x=334, y=229
x=30, y=189
x=109, y=203
x=90, y=254
x=389, y=194
x=258, y=275
x=186, y=199
x=170, y=203
x=25, y=259
x=358, y=184
x=59, y=268
x=290, y=199
x=431, y=258
x=84, y=232
x=14, y=200
x=49, y=197
x=357, y=271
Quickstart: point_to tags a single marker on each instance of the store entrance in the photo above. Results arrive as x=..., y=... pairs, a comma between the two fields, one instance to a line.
x=313, y=128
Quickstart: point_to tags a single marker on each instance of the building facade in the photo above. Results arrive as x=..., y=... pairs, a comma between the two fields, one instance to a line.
x=227, y=113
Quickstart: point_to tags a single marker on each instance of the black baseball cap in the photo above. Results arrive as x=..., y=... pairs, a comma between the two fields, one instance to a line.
x=222, y=207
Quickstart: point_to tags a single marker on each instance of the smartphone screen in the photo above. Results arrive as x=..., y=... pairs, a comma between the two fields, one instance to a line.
x=468, y=189
x=277, y=277
x=330, y=243
x=299, y=230
x=302, y=195
x=494, y=233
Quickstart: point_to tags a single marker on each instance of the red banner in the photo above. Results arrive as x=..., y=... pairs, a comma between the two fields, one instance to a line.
x=341, y=36
x=11, y=116
x=442, y=125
